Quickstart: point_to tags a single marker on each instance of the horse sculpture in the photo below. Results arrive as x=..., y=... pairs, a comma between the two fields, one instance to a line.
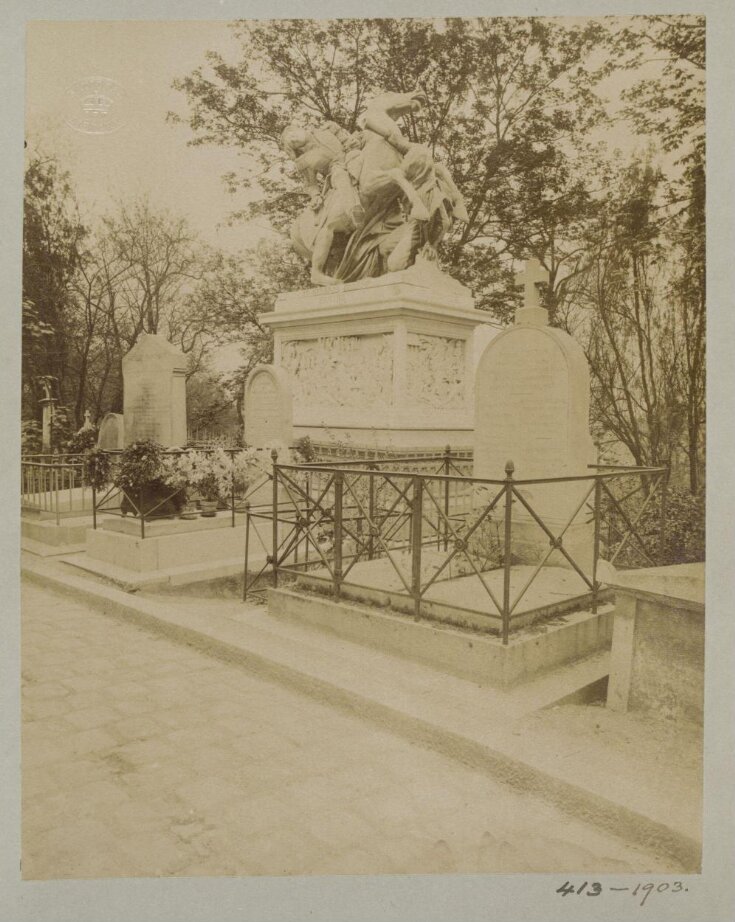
x=376, y=200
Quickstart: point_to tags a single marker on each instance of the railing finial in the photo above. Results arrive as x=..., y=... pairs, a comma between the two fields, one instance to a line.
x=509, y=468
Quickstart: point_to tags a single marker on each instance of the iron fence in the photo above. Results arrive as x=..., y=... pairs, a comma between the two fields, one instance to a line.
x=406, y=529
x=54, y=485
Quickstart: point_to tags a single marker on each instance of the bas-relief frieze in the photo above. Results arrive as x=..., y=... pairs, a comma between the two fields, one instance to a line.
x=340, y=371
x=436, y=372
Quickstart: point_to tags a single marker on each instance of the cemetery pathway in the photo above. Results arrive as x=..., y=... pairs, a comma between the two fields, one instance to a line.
x=144, y=757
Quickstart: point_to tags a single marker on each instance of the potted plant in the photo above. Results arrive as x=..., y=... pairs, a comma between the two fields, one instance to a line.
x=144, y=478
x=209, y=474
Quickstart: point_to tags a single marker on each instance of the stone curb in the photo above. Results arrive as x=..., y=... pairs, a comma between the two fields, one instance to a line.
x=589, y=806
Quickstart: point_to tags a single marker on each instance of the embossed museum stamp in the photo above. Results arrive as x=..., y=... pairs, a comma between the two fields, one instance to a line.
x=95, y=105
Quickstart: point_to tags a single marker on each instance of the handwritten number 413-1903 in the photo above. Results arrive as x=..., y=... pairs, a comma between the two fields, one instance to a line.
x=593, y=888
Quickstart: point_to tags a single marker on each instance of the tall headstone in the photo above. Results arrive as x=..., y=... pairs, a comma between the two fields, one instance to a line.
x=154, y=392
x=532, y=398
x=111, y=436
x=268, y=407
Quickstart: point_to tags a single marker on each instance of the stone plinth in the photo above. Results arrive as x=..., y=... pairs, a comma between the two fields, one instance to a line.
x=382, y=363
x=532, y=395
x=154, y=392
x=657, y=660
x=268, y=407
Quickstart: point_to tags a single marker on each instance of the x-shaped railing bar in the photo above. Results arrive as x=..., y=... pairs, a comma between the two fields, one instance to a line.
x=551, y=550
x=402, y=495
x=315, y=504
x=110, y=490
x=301, y=522
x=556, y=541
x=631, y=526
x=460, y=544
x=376, y=534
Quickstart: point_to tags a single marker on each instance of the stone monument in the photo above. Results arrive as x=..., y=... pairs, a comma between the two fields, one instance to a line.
x=154, y=392
x=381, y=356
x=48, y=406
x=111, y=436
x=532, y=399
x=268, y=407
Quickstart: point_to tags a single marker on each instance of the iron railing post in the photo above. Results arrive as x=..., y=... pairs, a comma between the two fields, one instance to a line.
x=232, y=487
x=509, y=468
x=417, y=520
x=274, y=555
x=94, y=506
x=596, y=545
x=447, y=468
x=307, y=511
x=662, y=517
x=142, y=513
x=247, y=553
x=371, y=512
x=338, y=492
x=56, y=494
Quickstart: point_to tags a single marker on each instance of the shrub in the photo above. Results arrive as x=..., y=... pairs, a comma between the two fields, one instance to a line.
x=97, y=468
x=683, y=539
x=82, y=441
x=31, y=437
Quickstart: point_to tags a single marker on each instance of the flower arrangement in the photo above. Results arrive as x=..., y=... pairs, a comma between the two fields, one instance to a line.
x=148, y=481
x=208, y=473
x=97, y=468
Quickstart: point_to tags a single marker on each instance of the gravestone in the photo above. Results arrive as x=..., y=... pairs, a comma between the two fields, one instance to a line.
x=532, y=397
x=154, y=392
x=111, y=436
x=268, y=407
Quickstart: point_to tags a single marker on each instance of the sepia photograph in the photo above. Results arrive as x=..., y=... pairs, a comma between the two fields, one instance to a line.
x=363, y=451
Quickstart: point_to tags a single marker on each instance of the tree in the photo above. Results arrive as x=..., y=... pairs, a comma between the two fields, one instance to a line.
x=671, y=106
x=509, y=103
x=618, y=308
x=53, y=235
x=233, y=295
x=161, y=260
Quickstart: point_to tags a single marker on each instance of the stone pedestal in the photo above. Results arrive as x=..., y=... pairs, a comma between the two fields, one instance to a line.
x=657, y=659
x=532, y=395
x=384, y=363
x=48, y=405
x=154, y=392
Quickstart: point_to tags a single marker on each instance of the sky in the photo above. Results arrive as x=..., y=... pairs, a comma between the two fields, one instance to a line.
x=146, y=154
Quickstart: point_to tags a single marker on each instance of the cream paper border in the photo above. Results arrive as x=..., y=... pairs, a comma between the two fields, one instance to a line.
x=420, y=898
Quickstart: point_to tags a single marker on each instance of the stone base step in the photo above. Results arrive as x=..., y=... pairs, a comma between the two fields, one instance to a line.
x=476, y=657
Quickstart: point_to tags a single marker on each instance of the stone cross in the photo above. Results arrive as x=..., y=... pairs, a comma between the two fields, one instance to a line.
x=531, y=279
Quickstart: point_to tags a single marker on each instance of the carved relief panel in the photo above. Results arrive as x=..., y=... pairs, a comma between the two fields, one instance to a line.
x=340, y=371
x=436, y=369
